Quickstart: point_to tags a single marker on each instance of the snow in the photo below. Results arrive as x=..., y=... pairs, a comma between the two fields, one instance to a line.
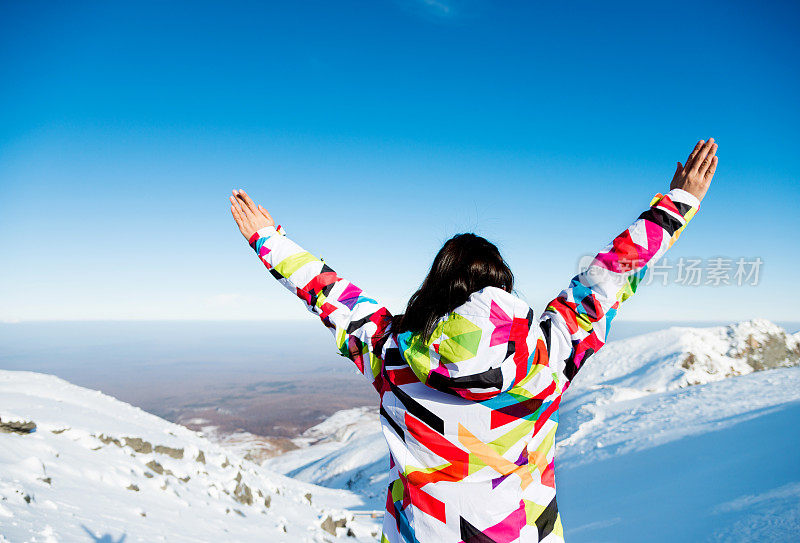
x=242, y=443
x=347, y=450
x=626, y=424
x=686, y=434
x=735, y=482
x=69, y=481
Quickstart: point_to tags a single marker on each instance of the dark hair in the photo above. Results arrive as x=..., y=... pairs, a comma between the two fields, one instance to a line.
x=466, y=263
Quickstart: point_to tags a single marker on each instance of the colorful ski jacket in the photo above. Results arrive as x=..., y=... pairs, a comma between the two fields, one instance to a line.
x=470, y=416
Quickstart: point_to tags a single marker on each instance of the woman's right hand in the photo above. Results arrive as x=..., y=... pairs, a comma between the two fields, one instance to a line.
x=248, y=216
x=696, y=175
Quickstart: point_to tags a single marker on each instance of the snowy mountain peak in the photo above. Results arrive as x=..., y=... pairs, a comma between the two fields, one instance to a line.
x=682, y=356
x=763, y=344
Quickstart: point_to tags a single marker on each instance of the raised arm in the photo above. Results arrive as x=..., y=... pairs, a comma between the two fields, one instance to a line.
x=356, y=321
x=576, y=323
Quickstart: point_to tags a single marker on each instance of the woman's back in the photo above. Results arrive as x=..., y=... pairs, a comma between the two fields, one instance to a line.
x=470, y=417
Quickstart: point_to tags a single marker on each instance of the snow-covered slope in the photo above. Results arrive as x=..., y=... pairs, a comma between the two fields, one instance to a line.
x=700, y=416
x=347, y=450
x=715, y=462
x=643, y=388
x=98, y=469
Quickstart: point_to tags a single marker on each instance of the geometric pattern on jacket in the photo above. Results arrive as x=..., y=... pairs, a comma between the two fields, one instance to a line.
x=470, y=416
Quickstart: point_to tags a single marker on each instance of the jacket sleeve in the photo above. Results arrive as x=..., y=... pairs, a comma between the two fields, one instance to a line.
x=576, y=323
x=356, y=321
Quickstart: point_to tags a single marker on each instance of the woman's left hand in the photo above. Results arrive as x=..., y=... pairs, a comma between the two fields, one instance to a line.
x=248, y=215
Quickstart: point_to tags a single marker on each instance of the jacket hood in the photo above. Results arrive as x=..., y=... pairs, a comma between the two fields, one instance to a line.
x=478, y=350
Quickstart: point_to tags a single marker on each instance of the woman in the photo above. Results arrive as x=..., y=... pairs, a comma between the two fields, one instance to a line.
x=469, y=381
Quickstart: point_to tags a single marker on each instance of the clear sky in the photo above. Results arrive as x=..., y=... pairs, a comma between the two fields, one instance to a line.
x=373, y=131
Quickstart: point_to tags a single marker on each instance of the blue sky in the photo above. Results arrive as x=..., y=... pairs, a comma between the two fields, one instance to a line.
x=373, y=131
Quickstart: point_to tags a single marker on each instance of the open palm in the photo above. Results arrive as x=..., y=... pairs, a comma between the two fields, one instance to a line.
x=248, y=216
x=695, y=177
